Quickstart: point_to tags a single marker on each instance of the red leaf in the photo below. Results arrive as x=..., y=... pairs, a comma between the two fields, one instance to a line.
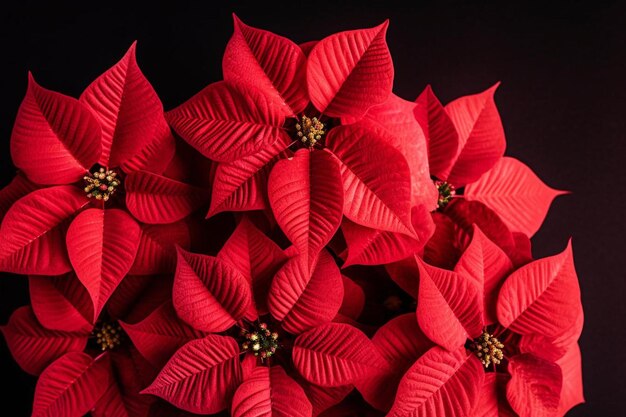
x=32, y=234
x=405, y=274
x=139, y=295
x=257, y=257
x=541, y=297
x=349, y=72
x=335, y=354
x=55, y=139
x=449, y=306
x=302, y=299
x=444, y=247
x=481, y=136
x=157, y=155
x=241, y=185
x=273, y=64
x=157, y=253
x=513, y=191
x=34, y=347
x=439, y=383
x=306, y=198
x=61, y=303
x=353, y=299
x=572, y=390
x=492, y=400
x=202, y=376
x=401, y=342
x=102, y=245
x=155, y=199
x=226, y=121
x=128, y=108
x=535, y=386
x=376, y=179
x=487, y=266
x=269, y=391
x=72, y=385
x=403, y=132
x=441, y=136
x=16, y=189
x=209, y=294
x=323, y=398
x=375, y=247
x=160, y=334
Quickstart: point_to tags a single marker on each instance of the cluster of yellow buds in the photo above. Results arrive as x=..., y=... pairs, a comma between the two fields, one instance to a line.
x=310, y=131
x=446, y=193
x=101, y=184
x=260, y=341
x=488, y=349
x=108, y=336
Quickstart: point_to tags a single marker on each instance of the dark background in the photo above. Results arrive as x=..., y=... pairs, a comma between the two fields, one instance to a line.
x=562, y=102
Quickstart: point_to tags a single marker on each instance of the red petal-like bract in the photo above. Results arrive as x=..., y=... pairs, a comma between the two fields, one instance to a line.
x=542, y=297
x=440, y=383
x=572, y=390
x=19, y=187
x=400, y=342
x=202, y=376
x=61, y=303
x=349, y=72
x=157, y=155
x=441, y=135
x=227, y=121
x=128, y=108
x=55, y=138
x=32, y=234
x=353, y=299
x=303, y=297
x=395, y=116
x=257, y=257
x=513, y=191
x=155, y=199
x=492, y=398
x=535, y=386
x=376, y=179
x=375, y=247
x=160, y=334
x=307, y=199
x=270, y=392
x=241, y=185
x=335, y=354
x=449, y=306
x=481, y=136
x=209, y=294
x=157, y=248
x=273, y=64
x=72, y=385
x=486, y=265
x=102, y=245
x=34, y=347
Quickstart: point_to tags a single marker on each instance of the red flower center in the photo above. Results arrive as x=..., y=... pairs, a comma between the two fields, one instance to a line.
x=310, y=131
x=488, y=349
x=260, y=340
x=101, y=184
x=108, y=336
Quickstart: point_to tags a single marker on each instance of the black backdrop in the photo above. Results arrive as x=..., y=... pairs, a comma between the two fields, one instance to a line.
x=562, y=101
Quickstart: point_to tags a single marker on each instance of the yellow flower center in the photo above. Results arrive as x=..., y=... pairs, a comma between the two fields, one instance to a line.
x=446, y=193
x=108, y=336
x=260, y=341
x=310, y=131
x=101, y=184
x=488, y=349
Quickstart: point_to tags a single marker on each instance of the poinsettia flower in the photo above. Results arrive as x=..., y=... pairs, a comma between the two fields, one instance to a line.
x=294, y=124
x=501, y=334
x=270, y=344
x=466, y=144
x=81, y=366
x=92, y=197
